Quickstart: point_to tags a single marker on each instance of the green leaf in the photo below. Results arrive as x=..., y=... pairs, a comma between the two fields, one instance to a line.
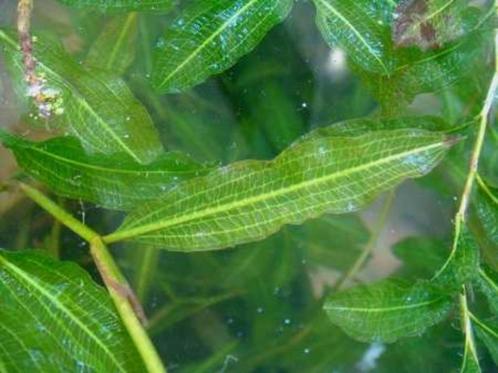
x=488, y=334
x=121, y=5
x=488, y=283
x=115, y=47
x=114, y=182
x=485, y=227
x=388, y=310
x=352, y=25
x=421, y=256
x=209, y=37
x=98, y=107
x=54, y=318
x=250, y=200
x=462, y=263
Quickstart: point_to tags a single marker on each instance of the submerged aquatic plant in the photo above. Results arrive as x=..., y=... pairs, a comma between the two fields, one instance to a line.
x=244, y=246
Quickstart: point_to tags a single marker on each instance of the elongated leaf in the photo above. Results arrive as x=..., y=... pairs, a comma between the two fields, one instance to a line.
x=352, y=25
x=98, y=107
x=209, y=37
x=121, y=5
x=488, y=283
x=387, y=311
x=114, y=49
x=54, y=318
x=115, y=182
x=250, y=200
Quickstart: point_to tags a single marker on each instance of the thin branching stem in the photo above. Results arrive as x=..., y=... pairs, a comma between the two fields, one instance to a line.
x=123, y=297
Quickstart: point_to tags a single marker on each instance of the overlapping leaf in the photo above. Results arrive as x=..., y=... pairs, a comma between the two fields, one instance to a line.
x=209, y=37
x=114, y=49
x=488, y=334
x=54, y=318
x=250, y=200
x=353, y=26
x=98, y=107
x=115, y=181
x=388, y=310
x=121, y=5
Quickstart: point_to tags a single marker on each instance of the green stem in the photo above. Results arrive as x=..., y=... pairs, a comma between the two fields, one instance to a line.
x=370, y=246
x=486, y=189
x=470, y=346
x=119, y=290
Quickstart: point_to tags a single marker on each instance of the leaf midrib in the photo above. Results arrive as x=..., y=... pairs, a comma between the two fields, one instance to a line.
x=384, y=309
x=127, y=233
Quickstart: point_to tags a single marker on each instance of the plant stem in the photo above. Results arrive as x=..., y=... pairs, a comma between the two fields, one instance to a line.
x=370, y=246
x=124, y=300
x=486, y=189
x=467, y=326
x=474, y=164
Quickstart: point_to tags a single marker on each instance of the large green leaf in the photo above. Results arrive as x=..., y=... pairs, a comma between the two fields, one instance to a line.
x=54, y=318
x=353, y=26
x=250, y=200
x=114, y=181
x=98, y=107
x=387, y=311
x=114, y=49
x=209, y=37
x=121, y=5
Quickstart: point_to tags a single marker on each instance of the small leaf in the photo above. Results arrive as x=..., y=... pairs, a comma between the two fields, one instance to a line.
x=350, y=24
x=114, y=182
x=114, y=49
x=98, y=107
x=488, y=283
x=461, y=265
x=121, y=5
x=388, y=310
x=250, y=200
x=488, y=334
x=53, y=317
x=209, y=37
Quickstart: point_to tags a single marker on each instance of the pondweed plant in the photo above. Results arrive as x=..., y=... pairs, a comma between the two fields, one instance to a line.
x=243, y=247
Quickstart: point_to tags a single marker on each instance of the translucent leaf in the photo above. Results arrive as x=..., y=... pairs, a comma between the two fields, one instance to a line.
x=114, y=49
x=209, y=37
x=421, y=256
x=388, y=310
x=114, y=182
x=250, y=200
x=351, y=25
x=98, y=107
x=121, y=5
x=54, y=318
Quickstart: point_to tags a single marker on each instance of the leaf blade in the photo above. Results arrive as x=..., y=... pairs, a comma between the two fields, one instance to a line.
x=245, y=192
x=59, y=317
x=387, y=311
x=210, y=37
x=114, y=182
